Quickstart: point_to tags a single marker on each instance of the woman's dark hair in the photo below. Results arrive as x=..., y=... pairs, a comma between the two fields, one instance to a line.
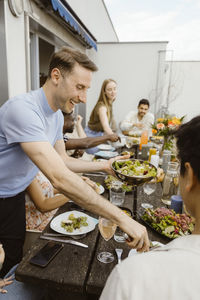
x=188, y=144
x=66, y=58
x=143, y=101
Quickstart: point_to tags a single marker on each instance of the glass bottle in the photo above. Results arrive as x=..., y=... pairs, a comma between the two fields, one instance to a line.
x=170, y=183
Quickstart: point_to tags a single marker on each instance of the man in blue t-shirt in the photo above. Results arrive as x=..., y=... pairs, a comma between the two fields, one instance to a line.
x=31, y=138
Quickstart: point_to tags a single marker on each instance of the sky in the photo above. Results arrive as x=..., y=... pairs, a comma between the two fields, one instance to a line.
x=175, y=21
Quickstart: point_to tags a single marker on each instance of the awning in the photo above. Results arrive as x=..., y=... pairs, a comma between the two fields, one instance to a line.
x=70, y=19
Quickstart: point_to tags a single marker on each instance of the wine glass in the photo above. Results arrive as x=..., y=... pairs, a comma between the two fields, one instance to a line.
x=107, y=229
x=148, y=188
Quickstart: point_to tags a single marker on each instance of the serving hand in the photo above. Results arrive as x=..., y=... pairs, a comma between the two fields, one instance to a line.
x=137, y=236
x=109, y=162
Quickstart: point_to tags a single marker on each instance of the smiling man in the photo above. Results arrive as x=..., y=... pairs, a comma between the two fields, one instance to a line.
x=31, y=138
x=137, y=121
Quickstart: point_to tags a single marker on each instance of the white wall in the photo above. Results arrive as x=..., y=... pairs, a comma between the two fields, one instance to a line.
x=94, y=15
x=134, y=66
x=184, y=94
x=15, y=43
x=16, y=47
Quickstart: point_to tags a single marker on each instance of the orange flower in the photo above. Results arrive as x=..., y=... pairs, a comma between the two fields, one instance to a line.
x=171, y=123
x=154, y=131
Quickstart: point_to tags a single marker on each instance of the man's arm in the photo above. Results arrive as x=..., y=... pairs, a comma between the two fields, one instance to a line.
x=89, y=142
x=72, y=186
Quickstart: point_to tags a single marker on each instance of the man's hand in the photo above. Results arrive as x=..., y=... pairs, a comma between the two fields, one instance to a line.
x=114, y=137
x=137, y=236
x=109, y=162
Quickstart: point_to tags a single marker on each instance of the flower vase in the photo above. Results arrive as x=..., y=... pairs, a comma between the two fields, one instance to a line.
x=168, y=143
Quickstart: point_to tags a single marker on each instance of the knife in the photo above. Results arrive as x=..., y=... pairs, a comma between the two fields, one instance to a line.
x=63, y=241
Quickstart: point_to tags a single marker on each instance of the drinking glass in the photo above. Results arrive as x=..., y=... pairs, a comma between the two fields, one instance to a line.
x=107, y=229
x=148, y=188
x=117, y=195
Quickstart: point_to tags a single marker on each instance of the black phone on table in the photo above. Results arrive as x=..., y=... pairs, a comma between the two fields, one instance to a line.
x=46, y=254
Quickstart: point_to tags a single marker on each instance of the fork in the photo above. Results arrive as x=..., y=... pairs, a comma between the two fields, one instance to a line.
x=119, y=254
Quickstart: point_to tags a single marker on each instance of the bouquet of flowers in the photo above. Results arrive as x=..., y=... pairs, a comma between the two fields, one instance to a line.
x=166, y=127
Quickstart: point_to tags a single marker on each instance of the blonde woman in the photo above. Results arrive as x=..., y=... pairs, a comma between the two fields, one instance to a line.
x=101, y=119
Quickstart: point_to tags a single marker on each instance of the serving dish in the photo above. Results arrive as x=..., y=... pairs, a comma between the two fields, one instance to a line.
x=167, y=223
x=118, y=165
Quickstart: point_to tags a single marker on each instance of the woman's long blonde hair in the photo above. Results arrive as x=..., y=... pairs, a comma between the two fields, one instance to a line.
x=102, y=96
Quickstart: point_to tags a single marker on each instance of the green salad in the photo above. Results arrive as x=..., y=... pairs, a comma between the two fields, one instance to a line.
x=135, y=168
x=73, y=223
x=168, y=223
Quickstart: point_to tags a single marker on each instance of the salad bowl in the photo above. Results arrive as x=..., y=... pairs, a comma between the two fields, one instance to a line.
x=134, y=171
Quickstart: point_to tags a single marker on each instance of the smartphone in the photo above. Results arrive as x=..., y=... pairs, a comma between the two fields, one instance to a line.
x=46, y=254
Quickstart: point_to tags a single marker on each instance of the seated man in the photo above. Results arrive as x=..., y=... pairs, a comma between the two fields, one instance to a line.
x=170, y=272
x=137, y=121
x=76, y=139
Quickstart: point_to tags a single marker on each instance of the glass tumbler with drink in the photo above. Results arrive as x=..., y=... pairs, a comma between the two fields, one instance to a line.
x=107, y=229
x=170, y=183
x=117, y=194
x=144, y=138
x=148, y=188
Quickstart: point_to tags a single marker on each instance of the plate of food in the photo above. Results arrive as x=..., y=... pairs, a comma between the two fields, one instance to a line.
x=109, y=180
x=73, y=223
x=100, y=189
x=105, y=147
x=166, y=222
x=106, y=154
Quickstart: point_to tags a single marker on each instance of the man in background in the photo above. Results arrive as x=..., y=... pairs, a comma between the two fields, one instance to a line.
x=137, y=121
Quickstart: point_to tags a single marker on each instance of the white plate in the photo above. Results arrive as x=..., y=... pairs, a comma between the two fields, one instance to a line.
x=56, y=223
x=106, y=154
x=105, y=147
x=100, y=189
x=134, y=251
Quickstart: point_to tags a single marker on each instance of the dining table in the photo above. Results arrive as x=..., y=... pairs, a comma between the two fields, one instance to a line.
x=75, y=272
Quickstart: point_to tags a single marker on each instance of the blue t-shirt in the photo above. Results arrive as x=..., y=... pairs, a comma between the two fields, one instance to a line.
x=24, y=118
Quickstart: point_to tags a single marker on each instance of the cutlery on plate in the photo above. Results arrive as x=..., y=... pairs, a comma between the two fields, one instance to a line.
x=63, y=241
x=119, y=254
